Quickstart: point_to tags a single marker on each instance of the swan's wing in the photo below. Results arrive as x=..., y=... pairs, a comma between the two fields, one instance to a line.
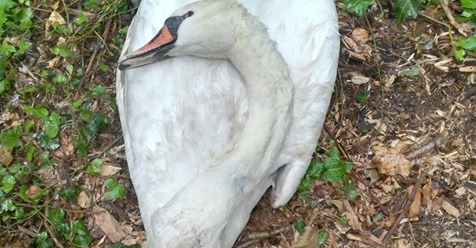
x=177, y=115
x=306, y=32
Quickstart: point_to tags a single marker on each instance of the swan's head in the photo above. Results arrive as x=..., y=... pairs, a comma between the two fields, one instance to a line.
x=205, y=29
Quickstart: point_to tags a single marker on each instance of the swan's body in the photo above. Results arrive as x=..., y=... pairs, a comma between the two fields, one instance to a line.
x=183, y=117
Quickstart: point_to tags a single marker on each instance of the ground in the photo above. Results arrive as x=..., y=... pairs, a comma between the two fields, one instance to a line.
x=403, y=113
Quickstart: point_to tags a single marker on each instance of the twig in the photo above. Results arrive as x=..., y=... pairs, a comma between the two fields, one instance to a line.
x=450, y=17
x=436, y=142
x=404, y=212
x=252, y=241
x=51, y=231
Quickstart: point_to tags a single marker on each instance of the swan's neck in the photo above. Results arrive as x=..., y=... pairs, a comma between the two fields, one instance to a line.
x=269, y=90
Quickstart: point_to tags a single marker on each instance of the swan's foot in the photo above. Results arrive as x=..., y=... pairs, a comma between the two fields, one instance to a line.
x=288, y=179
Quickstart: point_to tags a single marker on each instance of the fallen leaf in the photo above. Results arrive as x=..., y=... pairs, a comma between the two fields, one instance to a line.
x=360, y=35
x=108, y=224
x=5, y=156
x=55, y=17
x=391, y=161
x=414, y=209
x=307, y=239
x=33, y=191
x=109, y=170
x=83, y=200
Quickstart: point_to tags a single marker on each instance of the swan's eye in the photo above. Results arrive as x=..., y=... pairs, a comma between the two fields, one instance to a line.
x=188, y=14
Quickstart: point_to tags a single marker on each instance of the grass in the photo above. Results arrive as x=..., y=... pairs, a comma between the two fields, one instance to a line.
x=54, y=65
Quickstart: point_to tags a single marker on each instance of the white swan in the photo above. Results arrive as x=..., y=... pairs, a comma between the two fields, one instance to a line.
x=180, y=115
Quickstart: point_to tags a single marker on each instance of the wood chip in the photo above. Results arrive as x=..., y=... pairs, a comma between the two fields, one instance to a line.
x=450, y=209
x=108, y=224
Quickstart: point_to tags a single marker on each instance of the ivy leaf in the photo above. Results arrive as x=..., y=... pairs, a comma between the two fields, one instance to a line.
x=322, y=237
x=80, y=18
x=116, y=189
x=95, y=166
x=468, y=4
x=357, y=7
x=468, y=43
x=8, y=182
x=406, y=8
x=82, y=237
x=11, y=137
x=300, y=225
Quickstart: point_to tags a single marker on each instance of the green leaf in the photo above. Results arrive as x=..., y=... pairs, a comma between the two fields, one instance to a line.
x=350, y=190
x=7, y=205
x=61, y=51
x=8, y=182
x=468, y=4
x=95, y=166
x=67, y=193
x=97, y=90
x=468, y=43
x=322, y=237
x=96, y=123
x=406, y=8
x=460, y=53
x=80, y=18
x=82, y=237
x=305, y=184
x=11, y=137
x=120, y=245
x=40, y=112
x=115, y=189
x=315, y=170
x=300, y=226
x=358, y=7
x=56, y=216
x=362, y=96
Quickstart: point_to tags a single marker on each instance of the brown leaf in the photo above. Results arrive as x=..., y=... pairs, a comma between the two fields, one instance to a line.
x=55, y=17
x=33, y=191
x=360, y=35
x=5, y=156
x=109, y=170
x=414, y=209
x=83, y=200
x=108, y=224
x=307, y=239
x=391, y=161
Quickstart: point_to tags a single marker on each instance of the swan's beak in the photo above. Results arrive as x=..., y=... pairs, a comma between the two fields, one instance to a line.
x=155, y=50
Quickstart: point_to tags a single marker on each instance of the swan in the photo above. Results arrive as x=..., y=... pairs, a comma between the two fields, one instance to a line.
x=185, y=115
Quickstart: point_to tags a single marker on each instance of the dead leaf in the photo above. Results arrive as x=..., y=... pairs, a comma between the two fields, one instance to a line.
x=352, y=217
x=33, y=191
x=307, y=239
x=450, y=209
x=360, y=35
x=109, y=170
x=55, y=17
x=414, y=209
x=5, y=156
x=83, y=200
x=108, y=224
x=391, y=161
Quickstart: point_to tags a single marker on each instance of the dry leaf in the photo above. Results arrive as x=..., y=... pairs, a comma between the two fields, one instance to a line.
x=55, y=17
x=33, y=191
x=108, y=224
x=360, y=35
x=5, y=156
x=414, y=209
x=450, y=209
x=391, y=161
x=109, y=170
x=307, y=239
x=83, y=200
